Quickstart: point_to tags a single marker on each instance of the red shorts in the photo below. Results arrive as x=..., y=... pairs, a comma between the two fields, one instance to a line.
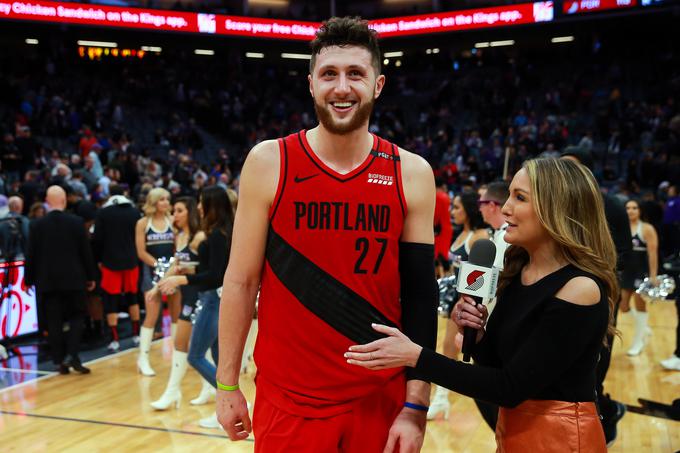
x=120, y=282
x=363, y=429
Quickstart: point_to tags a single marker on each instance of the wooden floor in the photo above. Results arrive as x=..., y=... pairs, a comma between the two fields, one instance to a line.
x=109, y=409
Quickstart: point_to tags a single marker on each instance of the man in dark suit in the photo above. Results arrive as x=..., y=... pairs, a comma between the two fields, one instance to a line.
x=59, y=263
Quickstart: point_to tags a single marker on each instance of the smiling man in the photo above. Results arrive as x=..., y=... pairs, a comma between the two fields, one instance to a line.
x=334, y=227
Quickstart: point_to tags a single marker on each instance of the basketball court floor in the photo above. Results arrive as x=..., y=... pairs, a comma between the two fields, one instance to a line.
x=108, y=410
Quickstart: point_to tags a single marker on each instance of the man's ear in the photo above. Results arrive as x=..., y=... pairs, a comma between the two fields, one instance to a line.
x=379, y=84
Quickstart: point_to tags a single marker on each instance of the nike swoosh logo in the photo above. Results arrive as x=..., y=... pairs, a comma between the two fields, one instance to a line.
x=298, y=179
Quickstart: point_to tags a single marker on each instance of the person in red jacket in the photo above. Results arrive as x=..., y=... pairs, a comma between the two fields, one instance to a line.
x=443, y=230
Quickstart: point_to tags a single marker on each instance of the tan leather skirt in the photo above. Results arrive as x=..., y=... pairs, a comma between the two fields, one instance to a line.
x=550, y=426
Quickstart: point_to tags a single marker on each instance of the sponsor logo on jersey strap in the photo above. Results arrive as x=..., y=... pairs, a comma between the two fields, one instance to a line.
x=475, y=280
x=305, y=178
x=375, y=178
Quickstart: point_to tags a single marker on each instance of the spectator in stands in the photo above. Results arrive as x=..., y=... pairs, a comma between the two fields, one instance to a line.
x=30, y=189
x=36, y=211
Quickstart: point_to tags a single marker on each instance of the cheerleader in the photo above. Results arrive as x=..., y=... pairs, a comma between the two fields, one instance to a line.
x=644, y=262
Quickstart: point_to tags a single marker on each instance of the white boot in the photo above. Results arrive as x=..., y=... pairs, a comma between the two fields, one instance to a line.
x=207, y=394
x=440, y=404
x=145, y=336
x=640, y=333
x=173, y=331
x=210, y=422
x=172, y=393
x=207, y=391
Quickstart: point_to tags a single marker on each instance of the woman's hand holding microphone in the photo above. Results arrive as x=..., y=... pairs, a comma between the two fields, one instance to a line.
x=466, y=314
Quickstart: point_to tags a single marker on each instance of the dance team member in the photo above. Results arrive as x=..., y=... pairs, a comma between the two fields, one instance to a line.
x=217, y=222
x=187, y=223
x=154, y=239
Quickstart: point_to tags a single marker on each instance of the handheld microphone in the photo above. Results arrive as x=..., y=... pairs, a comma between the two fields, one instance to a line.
x=478, y=278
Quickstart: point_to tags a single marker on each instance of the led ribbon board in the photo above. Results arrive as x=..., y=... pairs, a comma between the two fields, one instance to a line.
x=154, y=19
x=590, y=6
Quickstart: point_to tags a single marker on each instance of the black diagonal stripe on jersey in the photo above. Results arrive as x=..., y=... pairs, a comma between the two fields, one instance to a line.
x=322, y=294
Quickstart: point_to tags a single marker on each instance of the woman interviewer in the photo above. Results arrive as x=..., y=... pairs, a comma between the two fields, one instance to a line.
x=537, y=356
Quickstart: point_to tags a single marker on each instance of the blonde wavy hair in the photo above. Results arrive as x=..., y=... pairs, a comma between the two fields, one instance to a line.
x=152, y=199
x=569, y=205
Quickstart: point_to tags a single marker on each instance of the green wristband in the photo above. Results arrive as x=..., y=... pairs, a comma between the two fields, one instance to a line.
x=226, y=388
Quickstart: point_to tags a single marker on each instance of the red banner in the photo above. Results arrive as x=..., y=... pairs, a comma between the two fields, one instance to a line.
x=153, y=19
x=525, y=13
x=589, y=6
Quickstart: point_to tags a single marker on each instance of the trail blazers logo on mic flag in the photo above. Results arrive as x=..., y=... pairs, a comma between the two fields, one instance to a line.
x=475, y=280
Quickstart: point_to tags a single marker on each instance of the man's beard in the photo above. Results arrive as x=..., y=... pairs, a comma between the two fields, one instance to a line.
x=359, y=118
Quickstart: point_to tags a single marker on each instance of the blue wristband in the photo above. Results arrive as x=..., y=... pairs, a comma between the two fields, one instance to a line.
x=417, y=407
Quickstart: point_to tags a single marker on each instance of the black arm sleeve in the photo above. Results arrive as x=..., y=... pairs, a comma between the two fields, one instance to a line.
x=213, y=274
x=418, y=297
x=551, y=349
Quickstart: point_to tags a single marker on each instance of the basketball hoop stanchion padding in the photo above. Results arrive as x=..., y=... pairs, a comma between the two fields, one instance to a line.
x=18, y=316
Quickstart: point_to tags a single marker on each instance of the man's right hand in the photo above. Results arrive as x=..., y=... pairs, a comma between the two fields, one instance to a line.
x=232, y=414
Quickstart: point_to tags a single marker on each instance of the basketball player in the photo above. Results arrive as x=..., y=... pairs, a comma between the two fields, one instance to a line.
x=333, y=222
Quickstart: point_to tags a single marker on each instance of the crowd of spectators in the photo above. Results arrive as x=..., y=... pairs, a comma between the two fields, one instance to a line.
x=184, y=122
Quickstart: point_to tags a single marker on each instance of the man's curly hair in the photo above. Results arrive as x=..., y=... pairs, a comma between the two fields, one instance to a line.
x=343, y=32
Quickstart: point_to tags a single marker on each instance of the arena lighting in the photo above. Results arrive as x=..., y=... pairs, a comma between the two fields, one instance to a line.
x=481, y=45
x=435, y=50
x=393, y=54
x=296, y=56
x=97, y=43
x=507, y=42
x=254, y=55
x=270, y=3
x=204, y=52
x=97, y=53
x=398, y=63
x=559, y=39
x=32, y=41
x=386, y=61
x=152, y=49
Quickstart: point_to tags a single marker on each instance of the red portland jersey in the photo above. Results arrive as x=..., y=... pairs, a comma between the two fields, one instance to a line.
x=331, y=269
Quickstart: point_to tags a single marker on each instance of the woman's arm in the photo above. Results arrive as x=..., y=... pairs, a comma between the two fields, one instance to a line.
x=652, y=241
x=552, y=347
x=140, y=242
x=212, y=276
